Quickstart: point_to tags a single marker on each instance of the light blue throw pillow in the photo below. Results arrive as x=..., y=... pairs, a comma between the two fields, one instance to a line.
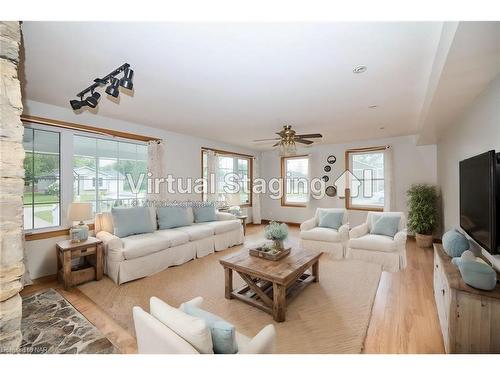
x=173, y=217
x=223, y=333
x=455, y=243
x=204, y=213
x=386, y=225
x=476, y=274
x=131, y=220
x=330, y=219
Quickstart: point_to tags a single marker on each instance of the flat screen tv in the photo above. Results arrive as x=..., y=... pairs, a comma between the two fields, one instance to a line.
x=478, y=196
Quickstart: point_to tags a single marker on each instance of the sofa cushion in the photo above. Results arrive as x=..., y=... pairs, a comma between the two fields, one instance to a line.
x=224, y=226
x=197, y=232
x=222, y=332
x=321, y=234
x=131, y=220
x=143, y=244
x=373, y=242
x=174, y=236
x=192, y=329
x=173, y=217
x=204, y=214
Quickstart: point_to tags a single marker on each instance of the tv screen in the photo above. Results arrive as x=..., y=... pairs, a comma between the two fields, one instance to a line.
x=478, y=199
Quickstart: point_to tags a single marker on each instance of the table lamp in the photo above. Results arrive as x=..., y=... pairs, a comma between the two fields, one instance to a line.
x=79, y=212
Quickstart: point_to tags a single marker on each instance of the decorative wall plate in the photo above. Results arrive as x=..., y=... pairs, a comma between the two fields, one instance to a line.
x=325, y=178
x=327, y=168
x=331, y=159
x=331, y=191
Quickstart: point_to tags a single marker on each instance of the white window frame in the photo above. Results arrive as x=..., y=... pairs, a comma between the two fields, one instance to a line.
x=284, y=201
x=349, y=154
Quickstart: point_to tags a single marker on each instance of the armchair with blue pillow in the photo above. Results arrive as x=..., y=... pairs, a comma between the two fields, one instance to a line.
x=381, y=239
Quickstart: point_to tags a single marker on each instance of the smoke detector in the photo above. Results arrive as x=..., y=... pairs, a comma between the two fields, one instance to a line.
x=359, y=69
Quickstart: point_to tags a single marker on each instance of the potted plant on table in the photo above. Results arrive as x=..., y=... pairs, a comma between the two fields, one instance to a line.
x=277, y=232
x=422, y=212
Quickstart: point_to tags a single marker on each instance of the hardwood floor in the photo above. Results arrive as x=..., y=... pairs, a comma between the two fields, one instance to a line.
x=404, y=317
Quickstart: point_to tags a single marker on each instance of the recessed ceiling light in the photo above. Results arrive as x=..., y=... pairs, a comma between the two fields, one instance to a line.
x=382, y=128
x=359, y=69
x=372, y=106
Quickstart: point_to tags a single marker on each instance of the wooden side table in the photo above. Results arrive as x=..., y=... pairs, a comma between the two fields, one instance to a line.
x=92, y=267
x=243, y=219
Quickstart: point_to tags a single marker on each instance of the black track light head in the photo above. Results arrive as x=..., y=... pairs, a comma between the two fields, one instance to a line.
x=112, y=89
x=77, y=104
x=93, y=100
x=126, y=81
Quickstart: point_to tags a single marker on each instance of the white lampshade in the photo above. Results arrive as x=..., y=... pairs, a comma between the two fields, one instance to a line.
x=80, y=211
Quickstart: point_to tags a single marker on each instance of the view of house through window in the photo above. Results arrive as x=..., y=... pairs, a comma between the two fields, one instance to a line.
x=100, y=167
x=295, y=174
x=234, y=165
x=41, y=183
x=367, y=190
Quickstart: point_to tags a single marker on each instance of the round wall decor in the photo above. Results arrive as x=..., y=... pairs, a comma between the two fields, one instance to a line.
x=327, y=168
x=331, y=191
x=331, y=159
x=325, y=178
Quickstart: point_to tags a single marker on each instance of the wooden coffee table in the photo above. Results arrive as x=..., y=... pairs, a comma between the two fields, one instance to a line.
x=270, y=284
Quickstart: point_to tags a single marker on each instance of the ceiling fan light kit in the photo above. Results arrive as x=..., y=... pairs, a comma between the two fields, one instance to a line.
x=113, y=89
x=288, y=139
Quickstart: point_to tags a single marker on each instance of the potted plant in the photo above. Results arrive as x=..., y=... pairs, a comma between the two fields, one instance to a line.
x=422, y=212
x=277, y=232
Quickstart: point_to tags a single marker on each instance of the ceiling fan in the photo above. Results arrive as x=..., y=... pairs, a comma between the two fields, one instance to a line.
x=288, y=138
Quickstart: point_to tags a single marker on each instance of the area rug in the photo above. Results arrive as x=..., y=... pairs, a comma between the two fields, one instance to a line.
x=331, y=316
x=50, y=324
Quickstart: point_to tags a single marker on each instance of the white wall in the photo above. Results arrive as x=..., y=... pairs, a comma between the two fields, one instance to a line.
x=412, y=164
x=476, y=131
x=183, y=154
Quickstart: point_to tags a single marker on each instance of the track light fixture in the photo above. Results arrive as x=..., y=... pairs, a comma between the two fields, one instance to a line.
x=113, y=89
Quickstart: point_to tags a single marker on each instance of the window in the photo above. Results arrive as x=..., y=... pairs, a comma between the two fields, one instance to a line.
x=236, y=165
x=295, y=176
x=100, y=169
x=41, y=198
x=366, y=191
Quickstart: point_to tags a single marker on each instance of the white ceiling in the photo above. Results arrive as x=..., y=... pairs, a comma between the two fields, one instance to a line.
x=239, y=82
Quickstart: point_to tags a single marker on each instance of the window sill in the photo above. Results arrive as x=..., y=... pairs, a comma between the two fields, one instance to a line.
x=365, y=208
x=49, y=233
x=297, y=205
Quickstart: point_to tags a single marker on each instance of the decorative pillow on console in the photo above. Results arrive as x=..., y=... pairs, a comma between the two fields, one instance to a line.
x=331, y=219
x=455, y=243
x=223, y=333
x=204, y=213
x=386, y=225
x=173, y=217
x=131, y=220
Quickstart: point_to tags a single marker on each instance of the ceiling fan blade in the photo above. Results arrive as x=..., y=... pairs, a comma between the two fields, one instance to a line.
x=304, y=141
x=266, y=139
x=316, y=135
x=276, y=144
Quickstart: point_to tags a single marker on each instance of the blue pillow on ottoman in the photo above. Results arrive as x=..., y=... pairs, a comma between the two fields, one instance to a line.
x=386, y=225
x=330, y=219
x=455, y=243
x=223, y=333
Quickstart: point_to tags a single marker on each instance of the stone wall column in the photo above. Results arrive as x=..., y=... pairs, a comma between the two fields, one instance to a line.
x=11, y=188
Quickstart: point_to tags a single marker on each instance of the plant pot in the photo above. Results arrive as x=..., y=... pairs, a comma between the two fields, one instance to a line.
x=423, y=240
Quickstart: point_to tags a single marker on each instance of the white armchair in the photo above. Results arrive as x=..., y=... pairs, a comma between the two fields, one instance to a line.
x=389, y=252
x=327, y=240
x=167, y=330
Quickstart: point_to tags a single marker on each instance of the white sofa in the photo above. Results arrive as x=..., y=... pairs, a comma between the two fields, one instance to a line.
x=167, y=330
x=141, y=255
x=389, y=252
x=327, y=240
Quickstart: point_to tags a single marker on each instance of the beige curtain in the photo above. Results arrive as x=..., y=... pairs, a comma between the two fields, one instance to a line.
x=256, y=216
x=157, y=169
x=388, y=180
x=212, y=176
